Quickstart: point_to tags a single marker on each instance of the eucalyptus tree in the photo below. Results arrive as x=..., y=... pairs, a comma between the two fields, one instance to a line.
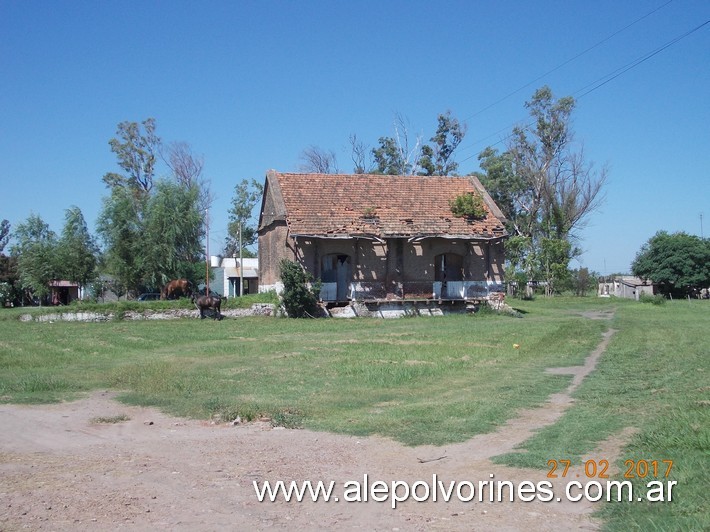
x=152, y=228
x=120, y=222
x=545, y=187
x=437, y=158
x=136, y=148
x=402, y=154
x=390, y=158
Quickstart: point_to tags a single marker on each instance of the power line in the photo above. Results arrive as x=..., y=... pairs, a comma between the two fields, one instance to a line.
x=600, y=82
x=565, y=63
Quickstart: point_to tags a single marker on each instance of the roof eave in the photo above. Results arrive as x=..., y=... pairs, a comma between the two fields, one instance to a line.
x=410, y=238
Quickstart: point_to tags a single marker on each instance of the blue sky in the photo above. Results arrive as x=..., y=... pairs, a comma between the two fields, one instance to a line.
x=249, y=85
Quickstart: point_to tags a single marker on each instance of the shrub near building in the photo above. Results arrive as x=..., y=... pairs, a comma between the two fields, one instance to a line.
x=299, y=299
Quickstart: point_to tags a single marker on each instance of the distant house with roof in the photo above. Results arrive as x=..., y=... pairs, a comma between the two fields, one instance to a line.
x=228, y=272
x=381, y=237
x=63, y=292
x=626, y=286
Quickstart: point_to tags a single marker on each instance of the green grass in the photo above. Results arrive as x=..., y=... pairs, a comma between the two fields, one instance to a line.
x=416, y=380
x=654, y=377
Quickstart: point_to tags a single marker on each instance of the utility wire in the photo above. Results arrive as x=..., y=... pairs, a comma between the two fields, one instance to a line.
x=601, y=81
x=567, y=62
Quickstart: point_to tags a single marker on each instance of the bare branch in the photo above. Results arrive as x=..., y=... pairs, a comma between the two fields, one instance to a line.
x=319, y=161
x=358, y=153
x=186, y=168
x=409, y=159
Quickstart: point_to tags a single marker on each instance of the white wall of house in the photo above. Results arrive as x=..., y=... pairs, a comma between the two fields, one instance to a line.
x=229, y=273
x=626, y=287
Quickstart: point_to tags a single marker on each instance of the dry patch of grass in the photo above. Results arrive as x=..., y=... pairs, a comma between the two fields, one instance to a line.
x=108, y=420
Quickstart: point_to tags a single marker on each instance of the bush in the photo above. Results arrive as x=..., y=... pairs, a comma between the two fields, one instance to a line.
x=468, y=205
x=299, y=300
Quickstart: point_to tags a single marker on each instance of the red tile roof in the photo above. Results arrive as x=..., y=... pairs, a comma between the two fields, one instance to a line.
x=381, y=205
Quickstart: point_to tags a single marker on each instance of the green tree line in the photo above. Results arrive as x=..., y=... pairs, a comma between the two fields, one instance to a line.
x=150, y=229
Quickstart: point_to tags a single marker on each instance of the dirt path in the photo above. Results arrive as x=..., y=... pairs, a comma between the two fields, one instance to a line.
x=61, y=471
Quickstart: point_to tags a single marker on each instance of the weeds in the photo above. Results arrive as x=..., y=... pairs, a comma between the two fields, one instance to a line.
x=107, y=420
x=657, y=299
x=288, y=418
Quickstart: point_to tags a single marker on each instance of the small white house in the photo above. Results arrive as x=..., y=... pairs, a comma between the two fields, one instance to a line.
x=226, y=272
x=626, y=286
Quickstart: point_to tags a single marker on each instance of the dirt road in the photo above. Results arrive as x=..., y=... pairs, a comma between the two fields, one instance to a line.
x=61, y=470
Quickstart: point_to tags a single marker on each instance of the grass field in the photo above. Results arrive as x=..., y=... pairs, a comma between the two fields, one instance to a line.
x=417, y=380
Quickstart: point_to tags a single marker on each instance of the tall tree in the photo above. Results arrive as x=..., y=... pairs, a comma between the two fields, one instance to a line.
x=676, y=262
x=583, y=281
x=121, y=221
x=437, y=159
x=136, y=149
x=186, y=167
x=562, y=188
x=77, y=252
x=10, y=293
x=120, y=225
x=246, y=196
x=172, y=231
x=35, y=249
x=545, y=187
x=152, y=228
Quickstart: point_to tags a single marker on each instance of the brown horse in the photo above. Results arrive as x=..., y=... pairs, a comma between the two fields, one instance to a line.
x=176, y=289
x=209, y=303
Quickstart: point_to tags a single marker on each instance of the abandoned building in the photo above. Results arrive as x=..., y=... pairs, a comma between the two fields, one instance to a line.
x=381, y=237
x=626, y=286
x=63, y=292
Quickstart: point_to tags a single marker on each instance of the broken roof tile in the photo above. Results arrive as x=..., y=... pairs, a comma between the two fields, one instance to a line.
x=382, y=205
